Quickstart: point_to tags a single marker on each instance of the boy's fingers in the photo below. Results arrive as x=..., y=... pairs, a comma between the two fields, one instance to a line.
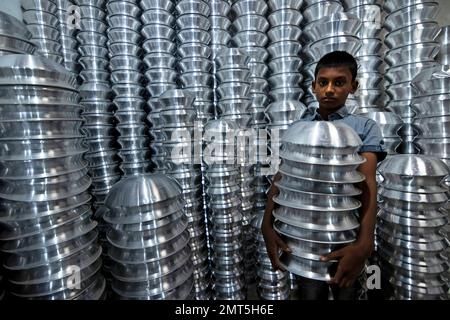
x=332, y=255
x=283, y=246
x=338, y=276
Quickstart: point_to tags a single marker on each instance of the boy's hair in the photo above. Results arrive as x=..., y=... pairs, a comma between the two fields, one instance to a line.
x=338, y=59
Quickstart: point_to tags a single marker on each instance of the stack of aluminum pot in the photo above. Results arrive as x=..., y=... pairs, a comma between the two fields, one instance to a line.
x=194, y=54
x=158, y=23
x=127, y=78
x=313, y=11
x=220, y=35
x=370, y=95
x=431, y=106
x=178, y=116
x=249, y=28
x=317, y=211
x=41, y=18
x=432, y=113
x=389, y=124
x=271, y=284
x=222, y=175
x=14, y=36
x=412, y=30
x=443, y=56
x=410, y=241
x=149, y=241
x=47, y=234
x=95, y=91
x=225, y=218
x=68, y=31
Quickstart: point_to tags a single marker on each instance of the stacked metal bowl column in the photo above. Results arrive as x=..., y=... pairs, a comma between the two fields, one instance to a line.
x=14, y=36
x=194, y=54
x=233, y=76
x=389, y=124
x=149, y=239
x=431, y=106
x=225, y=218
x=412, y=30
x=95, y=92
x=249, y=27
x=443, y=56
x=336, y=32
x=313, y=11
x=411, y=245
x=41, y=19
x=220, y=35
x=178, y=116
x=127, y=84
x=47, y=232
x=370, y=95
x=284, y=65
x=271, y=284
x=318, y=211
x=68, y=30
x=158, y=24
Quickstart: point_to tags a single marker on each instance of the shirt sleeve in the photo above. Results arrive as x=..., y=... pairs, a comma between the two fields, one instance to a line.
x=373, y=140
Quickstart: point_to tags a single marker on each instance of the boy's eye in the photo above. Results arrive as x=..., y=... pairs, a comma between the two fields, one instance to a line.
x=339, y=83
x=323, y=83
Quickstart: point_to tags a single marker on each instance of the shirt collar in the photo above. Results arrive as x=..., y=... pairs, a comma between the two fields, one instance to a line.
x=341, y=113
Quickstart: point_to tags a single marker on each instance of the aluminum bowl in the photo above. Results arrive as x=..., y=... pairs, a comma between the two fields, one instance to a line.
x=417, y=33
x=190, y=21
x=124, y=21
x=159, y=45
x=119, y=8
x=321, y=47
x=339, y=24
x=121, y=35
x=160, y=60
x=193, y=7
x=321, y=9
x=220, y=23
x=247, y=7
x=405, y=16
x=157, y=31
x=284, y=49
x=93, y=38
x=159, y=4
x=250, y=38
x=284, y=33
x=307, y=268
x=251, y=23
x=219, y=37
x=193, y=35
x=193, y=50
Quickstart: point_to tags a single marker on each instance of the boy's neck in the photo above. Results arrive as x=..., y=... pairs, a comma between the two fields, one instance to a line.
x=324, y=113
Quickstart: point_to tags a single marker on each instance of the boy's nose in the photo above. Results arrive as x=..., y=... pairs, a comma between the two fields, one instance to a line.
x=329, y=91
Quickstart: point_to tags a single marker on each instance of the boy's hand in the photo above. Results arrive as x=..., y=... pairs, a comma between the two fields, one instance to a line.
x=273, y=242
x=352, y=259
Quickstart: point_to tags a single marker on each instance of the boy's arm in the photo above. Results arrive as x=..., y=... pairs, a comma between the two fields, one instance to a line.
x=352, y=257
x=271, y=238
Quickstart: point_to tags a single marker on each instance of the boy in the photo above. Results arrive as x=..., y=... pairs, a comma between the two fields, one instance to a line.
x=335, y=79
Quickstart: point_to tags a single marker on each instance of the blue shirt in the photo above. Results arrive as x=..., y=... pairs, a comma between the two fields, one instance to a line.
x=366, y=128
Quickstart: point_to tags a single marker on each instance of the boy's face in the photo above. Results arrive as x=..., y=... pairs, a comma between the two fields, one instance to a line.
x=332, y=87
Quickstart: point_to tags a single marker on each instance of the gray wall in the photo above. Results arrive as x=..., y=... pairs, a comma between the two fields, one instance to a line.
x=444, y=13
x=11, y=7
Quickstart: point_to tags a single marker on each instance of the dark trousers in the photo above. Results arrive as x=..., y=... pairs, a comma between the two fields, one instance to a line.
x=309, y=289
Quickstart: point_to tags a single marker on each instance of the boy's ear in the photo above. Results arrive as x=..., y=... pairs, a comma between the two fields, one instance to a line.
x=355, y=86
x=313, y=85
